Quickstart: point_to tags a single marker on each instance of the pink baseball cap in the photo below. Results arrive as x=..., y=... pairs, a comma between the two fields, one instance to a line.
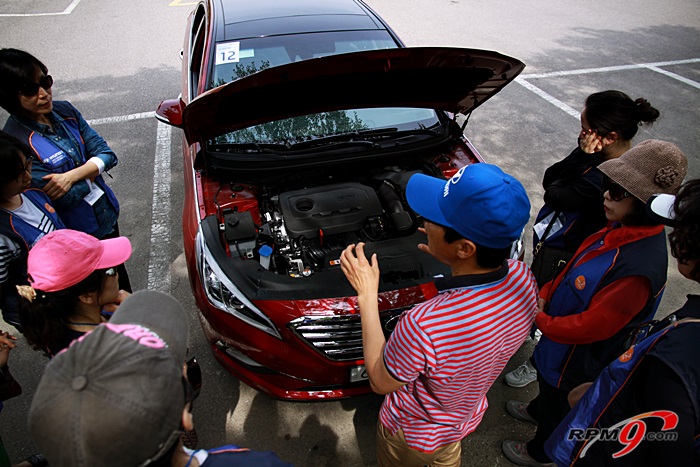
x=65, y=257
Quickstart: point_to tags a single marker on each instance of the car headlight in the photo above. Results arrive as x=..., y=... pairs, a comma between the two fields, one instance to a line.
x=224, y=295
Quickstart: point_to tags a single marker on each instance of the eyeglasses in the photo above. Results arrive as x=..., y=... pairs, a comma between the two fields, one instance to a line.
x=31, y=89
x=616, y=192
x=28, y=164
x=111, y=272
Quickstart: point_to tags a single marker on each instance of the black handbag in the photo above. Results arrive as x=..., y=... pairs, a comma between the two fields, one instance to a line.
x=548, y=262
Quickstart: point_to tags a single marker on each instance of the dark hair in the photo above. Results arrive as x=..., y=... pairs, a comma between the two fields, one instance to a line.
x=17, y=67
x=638, y=216
x=486, y=257
x=685, y=237
x=11, y=166
x=43, y=318
x=609, y=111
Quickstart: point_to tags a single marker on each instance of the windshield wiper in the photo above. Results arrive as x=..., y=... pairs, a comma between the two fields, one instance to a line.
x=366, y=137
x=363, y=138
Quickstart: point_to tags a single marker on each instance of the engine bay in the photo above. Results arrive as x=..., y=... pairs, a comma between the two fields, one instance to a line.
x=302, y=230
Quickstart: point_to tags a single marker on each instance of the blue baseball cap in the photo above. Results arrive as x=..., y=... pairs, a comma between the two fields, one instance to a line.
x=481, y=202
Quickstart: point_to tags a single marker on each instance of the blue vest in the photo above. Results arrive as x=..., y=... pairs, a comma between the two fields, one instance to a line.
x=25, y=235
x=592, y=411
x=565, y=366
x=81, y=217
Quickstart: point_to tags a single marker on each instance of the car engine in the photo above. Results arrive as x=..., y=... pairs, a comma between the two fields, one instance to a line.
x=304, y=230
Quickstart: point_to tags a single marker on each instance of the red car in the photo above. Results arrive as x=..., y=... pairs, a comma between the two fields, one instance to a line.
x=306, y=149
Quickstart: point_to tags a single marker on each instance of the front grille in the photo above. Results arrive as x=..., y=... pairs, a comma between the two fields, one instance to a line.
x=339, y=337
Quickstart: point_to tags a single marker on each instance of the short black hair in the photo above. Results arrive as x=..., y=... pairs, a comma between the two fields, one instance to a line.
x=17, y=67
x=11, y=150
x=685, y=237
x=486, y=257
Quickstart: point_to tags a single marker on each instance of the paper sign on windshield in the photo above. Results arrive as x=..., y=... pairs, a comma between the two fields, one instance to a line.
x=227, y=53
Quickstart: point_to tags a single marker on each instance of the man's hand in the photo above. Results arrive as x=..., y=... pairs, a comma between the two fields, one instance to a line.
x=542, y=304
x=362, y=275
x=364, y=278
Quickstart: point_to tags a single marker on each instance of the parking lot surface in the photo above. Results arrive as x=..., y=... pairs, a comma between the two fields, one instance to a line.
x=115, y=61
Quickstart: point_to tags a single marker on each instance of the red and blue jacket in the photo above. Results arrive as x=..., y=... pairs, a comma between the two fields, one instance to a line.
x=605, y=257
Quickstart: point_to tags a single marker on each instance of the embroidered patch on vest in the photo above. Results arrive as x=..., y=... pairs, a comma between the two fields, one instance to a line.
x=625, y=357
x=580, y=283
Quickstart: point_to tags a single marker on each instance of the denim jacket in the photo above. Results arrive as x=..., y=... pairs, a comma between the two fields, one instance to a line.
x=92, y=144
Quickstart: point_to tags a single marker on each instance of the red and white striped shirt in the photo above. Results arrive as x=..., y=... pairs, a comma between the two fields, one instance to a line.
x=451, y=348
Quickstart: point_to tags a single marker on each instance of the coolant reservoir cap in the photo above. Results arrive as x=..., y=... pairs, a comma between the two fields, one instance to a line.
x=265, y=250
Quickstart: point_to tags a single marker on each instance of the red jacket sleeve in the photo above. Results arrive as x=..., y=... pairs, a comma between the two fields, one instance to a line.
x=609, y=311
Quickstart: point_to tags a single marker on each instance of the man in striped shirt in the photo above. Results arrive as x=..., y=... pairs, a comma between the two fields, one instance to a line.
x=445, y=353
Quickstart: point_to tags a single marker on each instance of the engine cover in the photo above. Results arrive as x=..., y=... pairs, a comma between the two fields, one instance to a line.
x=334, y=209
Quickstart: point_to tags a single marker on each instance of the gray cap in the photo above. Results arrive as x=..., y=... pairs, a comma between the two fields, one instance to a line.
x=115, y=396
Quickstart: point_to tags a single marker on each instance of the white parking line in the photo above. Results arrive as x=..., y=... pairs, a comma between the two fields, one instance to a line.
x=121, y=118
x=159, y=254
x=159, y=257
x=523, y=79
x=587, y=71
x=680, y=78
x=67, y=11
x=548, y=97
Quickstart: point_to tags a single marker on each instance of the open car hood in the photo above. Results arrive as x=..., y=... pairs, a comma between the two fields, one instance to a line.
x=451, y=79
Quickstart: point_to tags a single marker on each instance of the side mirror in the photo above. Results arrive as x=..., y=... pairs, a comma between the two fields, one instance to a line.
x=170, y=112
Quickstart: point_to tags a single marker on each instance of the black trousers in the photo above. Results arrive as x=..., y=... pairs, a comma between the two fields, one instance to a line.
x=549, y=408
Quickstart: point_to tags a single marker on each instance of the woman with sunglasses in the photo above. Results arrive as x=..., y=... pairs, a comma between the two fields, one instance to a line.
x=573, y=202
x=73, y=287
x=659, y=377
x=613, y=283
x=70, y=155
x=26, y=215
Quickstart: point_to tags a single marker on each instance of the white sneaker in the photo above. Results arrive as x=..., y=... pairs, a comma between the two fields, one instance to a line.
x=521, y=376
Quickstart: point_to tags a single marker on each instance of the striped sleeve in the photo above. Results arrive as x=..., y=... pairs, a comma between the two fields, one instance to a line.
x=9, y=250
x=409, y=351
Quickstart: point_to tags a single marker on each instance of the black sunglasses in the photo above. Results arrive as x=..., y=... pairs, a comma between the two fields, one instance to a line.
x=616, y=192
x=31, y=89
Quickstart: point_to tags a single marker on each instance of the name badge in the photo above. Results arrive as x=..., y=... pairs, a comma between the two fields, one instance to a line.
x=95, y=193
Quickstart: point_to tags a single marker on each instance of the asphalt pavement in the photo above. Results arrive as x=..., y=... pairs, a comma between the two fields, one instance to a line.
x=115, y=61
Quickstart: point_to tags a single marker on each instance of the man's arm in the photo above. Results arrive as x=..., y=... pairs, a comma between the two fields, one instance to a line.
x=364, y=278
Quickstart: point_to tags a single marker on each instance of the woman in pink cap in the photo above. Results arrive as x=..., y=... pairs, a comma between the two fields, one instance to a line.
x=73, y=287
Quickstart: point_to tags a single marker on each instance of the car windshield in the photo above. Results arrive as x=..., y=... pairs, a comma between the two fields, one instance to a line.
x=355, y=122
x=238, y=58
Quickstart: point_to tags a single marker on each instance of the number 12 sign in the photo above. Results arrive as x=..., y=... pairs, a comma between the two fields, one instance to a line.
x=227, y=53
